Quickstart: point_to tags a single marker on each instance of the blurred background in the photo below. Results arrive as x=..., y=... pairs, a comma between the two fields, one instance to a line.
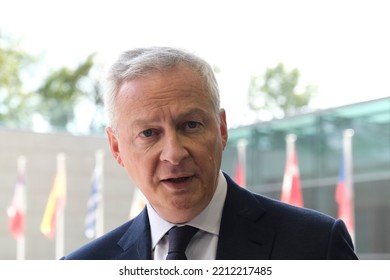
x=312, y=71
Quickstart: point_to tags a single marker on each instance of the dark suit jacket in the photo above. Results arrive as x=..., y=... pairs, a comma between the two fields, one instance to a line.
x=252, y=227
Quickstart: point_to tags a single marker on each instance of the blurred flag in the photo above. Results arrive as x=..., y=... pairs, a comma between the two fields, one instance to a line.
x=56, y=201
x=17, y=210
x=291, y=190
x=239, y=172
x=344, y=188
x=93, y=219
x=138, y=203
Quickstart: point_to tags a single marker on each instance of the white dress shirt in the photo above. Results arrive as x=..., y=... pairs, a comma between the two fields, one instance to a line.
x=203, y=245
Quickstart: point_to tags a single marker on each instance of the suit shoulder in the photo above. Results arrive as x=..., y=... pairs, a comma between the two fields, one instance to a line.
x=293, y=212
x=275, y=210
x=104, y=247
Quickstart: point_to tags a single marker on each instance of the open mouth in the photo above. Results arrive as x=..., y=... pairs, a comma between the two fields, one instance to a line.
x=178, y=180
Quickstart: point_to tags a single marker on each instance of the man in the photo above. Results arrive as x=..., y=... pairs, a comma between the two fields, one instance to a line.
x=166, y=129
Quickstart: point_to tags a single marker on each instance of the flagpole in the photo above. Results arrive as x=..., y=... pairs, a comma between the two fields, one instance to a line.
x=241, y=148
x=241, y=161
x=290, y=145
x=291, y=186
x=137, y=204
x=94, y=217
x=288, y=178
x=21, y=240
x=60, y=215
x=21, y=248
x=347, y=150
x=99, y=156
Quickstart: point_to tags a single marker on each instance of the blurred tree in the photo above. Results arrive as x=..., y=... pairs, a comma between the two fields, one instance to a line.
x=63, y=89
x=15, y=109
x=276, y=93
x=95, y=98
x=55, y=101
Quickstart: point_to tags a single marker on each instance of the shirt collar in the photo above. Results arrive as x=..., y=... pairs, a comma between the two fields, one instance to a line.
x=208, y=220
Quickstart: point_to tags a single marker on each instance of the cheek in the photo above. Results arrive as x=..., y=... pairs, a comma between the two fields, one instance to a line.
x=141, y=167
x=209, y=157
x=215, y=146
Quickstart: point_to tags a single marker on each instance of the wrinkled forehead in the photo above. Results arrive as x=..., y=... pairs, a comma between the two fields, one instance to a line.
x=177, y=82
x=180, y=77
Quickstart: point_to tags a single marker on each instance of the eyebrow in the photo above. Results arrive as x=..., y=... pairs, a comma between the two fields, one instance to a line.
x=187, y=114
x=194, y=111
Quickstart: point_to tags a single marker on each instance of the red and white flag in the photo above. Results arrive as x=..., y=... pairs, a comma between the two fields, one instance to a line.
x=240, y=169
x=239, y=175
x=291, y=190
x=344, y=189
x=17, y=210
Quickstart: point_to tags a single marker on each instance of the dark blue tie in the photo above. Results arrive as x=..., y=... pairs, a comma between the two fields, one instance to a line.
x=179, y=237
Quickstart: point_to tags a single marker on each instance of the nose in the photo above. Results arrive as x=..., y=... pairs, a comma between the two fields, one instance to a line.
x=173, y=150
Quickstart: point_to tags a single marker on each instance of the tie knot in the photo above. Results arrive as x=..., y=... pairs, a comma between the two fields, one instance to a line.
x=179, y=237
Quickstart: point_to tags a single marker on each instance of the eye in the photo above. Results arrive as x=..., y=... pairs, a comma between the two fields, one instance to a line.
x=192, y=124
x=147, y=133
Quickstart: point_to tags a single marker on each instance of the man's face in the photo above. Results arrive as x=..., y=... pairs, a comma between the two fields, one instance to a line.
x=170, y=141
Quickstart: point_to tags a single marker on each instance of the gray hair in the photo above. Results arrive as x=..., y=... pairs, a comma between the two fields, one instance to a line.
x=144, y=61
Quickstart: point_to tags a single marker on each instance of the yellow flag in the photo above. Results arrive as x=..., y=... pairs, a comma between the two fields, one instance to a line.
x=56, y=201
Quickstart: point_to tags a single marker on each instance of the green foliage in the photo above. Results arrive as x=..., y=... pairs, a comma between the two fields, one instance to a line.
x=276, y=92
x=14, y=99
x=56, y=99
x=61, y=91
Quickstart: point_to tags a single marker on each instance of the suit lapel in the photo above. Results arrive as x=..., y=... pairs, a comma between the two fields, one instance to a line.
x=244, y=232
x=136, y=242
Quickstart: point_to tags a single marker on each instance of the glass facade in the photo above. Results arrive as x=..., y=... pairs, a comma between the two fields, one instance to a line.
x=319, y=150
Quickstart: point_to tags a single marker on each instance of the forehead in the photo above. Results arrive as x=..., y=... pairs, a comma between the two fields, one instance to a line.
x=179, y=88
x=180, y=80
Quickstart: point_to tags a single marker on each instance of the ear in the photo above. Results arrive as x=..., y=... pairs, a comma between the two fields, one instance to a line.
x=223, y=127
x=114, y=145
